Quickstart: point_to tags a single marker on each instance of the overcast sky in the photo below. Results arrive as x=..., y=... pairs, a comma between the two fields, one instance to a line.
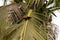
x=56, y=20
x=1, y=2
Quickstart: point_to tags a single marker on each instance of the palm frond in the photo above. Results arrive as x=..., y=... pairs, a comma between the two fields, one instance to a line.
x=57, y=3
x=54, y=8
x=27, y=29
x=33, y=28
x=52, y=12
x=50, y=2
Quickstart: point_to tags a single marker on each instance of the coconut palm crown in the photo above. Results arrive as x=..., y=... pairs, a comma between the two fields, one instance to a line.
x=35, y=24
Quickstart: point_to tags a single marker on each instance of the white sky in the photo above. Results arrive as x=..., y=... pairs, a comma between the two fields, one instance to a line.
x=1, y=2
x=56, y=20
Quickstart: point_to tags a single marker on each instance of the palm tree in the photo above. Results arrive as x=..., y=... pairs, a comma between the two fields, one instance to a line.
x=35, y=24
